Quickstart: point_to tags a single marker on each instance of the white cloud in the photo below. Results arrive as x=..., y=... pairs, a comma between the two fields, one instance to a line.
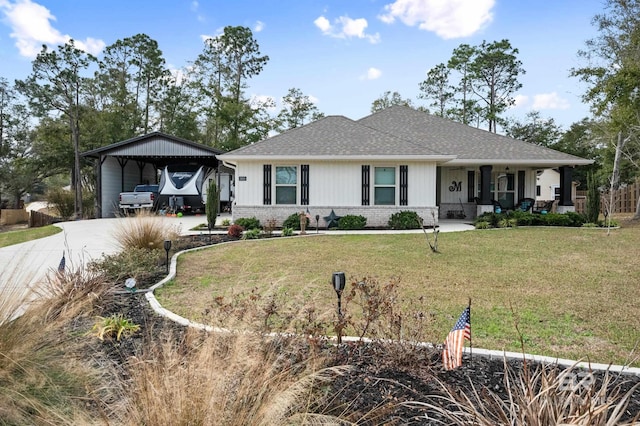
x=259, y=26
x=345, y=27
x=313, y=99
x=520, y=101
x=324, y=24
x=549, y=101
x=31, y=28
x=372, y=74
x=447, y=18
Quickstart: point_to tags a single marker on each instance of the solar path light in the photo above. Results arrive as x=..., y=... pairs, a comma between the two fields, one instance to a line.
x=339, y=282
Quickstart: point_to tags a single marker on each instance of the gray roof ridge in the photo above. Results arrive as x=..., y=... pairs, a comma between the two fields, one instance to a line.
x=271, y=138
x=466, y=127
x=410, y=142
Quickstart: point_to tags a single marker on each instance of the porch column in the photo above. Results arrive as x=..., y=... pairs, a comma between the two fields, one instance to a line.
x=565, y=204
x=485, y=185
x=485, y=191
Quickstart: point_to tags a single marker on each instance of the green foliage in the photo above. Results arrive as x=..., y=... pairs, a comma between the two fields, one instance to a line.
x=388, y=99
x=405, y=220
x=235, y=231
x=115, y=325
x=518, y=218
x=211, y=207
x=297, y=109
x=293, y=221
x=248, y=223
x=352, y=222
x=287, y=232
x=62, y=201
x=593, y=199
x=251, y=234
x=226, y=222
x=138, y=263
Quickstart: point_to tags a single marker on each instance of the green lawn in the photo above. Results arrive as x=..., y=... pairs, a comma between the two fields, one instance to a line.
x=572, y=293
x=23, y=235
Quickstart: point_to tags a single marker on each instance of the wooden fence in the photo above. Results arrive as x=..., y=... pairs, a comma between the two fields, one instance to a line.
x=625, y=199
x=37, y=219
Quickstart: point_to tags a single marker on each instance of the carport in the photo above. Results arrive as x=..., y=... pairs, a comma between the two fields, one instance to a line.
x=123, y=165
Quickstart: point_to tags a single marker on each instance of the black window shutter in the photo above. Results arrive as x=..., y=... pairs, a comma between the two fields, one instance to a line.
x=365, y=185
x=404, y=185
x=266, y=189
x=520, y=184
x=471, y=184
x=304, y=184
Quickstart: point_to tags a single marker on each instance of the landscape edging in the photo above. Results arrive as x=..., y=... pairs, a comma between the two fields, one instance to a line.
x=488, y=353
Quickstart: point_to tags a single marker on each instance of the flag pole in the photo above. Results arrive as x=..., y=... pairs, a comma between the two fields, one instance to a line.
x=470, y=335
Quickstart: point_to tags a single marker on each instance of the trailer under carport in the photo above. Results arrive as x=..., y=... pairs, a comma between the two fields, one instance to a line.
x=123, y=165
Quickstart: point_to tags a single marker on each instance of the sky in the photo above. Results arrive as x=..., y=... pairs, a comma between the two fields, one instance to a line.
x=343, y=54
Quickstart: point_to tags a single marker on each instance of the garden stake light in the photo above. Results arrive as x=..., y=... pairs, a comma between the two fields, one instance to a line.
x=339, y=282
x=167, y=247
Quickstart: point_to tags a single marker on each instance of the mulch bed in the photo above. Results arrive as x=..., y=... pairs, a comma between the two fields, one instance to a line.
x=382, y=376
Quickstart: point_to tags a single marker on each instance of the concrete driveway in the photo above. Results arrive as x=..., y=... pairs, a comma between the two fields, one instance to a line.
x=27, y=264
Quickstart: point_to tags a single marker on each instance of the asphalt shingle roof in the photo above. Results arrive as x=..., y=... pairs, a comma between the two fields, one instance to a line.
x=450, y=137
x=400, y=131
x=334, y=135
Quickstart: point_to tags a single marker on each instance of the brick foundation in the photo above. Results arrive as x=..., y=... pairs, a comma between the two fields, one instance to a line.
x=377, y=216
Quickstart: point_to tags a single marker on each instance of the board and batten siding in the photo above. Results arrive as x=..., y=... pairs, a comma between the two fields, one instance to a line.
x=334, y=185
x=112, y=182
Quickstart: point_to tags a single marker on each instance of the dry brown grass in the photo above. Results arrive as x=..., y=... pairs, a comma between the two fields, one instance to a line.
x=144, y=230
x=226, y=379
x=537, y=397
x=44, y=379
x=573, y=291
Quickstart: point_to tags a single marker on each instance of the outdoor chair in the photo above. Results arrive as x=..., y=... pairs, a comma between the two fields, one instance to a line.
x=497, y=207
x=544, y=208
x=525, y=205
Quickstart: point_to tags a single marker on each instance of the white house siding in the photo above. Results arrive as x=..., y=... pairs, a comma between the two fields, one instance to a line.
x=112, y=178
x=334, y=186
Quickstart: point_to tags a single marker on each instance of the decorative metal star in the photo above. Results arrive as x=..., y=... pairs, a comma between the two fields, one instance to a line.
x=332, y=219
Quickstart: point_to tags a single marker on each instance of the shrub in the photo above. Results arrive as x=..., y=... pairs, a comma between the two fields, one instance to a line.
x=405, y=220
x=269, y=227
x=576, y=219
x=248, y=223
x=523, y=218
x=145, y=231
x=251, y=234
x=63, y=201
x=556, y=219
x=352, y=222
x=482, y=224
x=226, y=222
x=235, y=231
x=211, y=206
x=287, y=232
x=138, y=263
x=593, y=199
x=293, y=221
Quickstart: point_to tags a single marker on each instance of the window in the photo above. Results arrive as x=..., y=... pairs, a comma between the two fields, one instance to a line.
x=538, y=191
x=286, y=181
x=385, y=186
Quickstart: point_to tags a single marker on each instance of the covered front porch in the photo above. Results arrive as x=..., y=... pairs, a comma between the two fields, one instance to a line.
x=469, y=191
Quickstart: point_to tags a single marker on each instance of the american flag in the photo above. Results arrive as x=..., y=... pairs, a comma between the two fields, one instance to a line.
x=452, y=352
x=307, y=214
x=62, y=264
